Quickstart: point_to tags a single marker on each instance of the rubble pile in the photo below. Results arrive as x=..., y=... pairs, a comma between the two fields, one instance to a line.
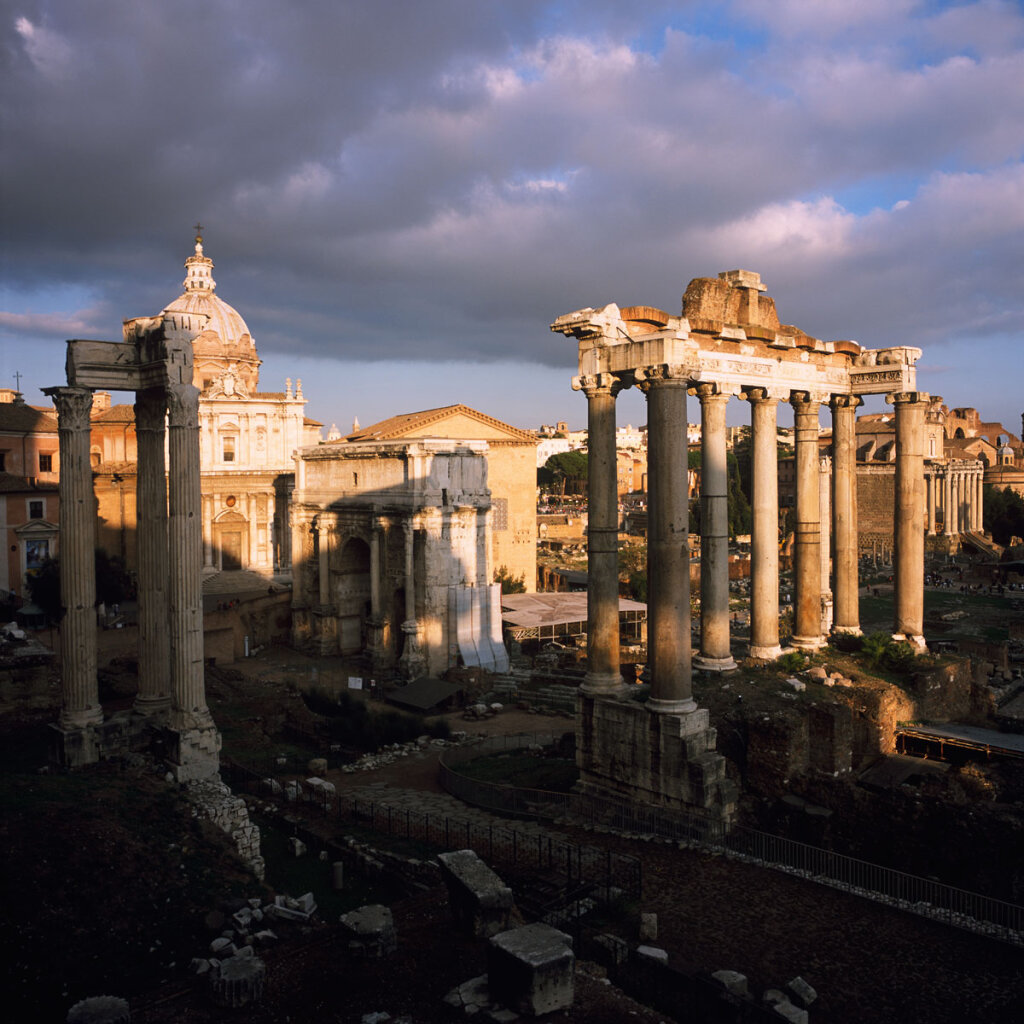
x=213, y=800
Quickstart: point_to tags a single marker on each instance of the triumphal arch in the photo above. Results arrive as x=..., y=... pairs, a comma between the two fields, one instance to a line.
x=155, y=361
x=727, y=344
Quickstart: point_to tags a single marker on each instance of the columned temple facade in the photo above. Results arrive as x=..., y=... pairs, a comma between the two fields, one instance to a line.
x=728, y=345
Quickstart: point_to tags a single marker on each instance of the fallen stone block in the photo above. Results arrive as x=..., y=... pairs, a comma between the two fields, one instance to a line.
x=480, y=902
x=317, y=766
x=296, y=845
x=531, y=969
x=100, y=1010
x=648, y=927
x=239, y=982
x=801, y=992
x=471, y=996
x=616, y=950
x=733, y=982
x=653, y=953
x=370, y=931
x=790, y=1012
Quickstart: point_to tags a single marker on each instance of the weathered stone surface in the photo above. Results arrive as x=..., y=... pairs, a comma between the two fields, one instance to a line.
x=480, y=902
x=653, y=953
x=239, y=982
x=531, y=969
x=801, y=992
x=648, y=927
x=370, y=931
x=100, y=1010
x=732, y=981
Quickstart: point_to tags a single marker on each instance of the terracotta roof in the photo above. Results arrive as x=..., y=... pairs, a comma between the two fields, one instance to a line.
x=26, y=419
x=307, y=422
x=120, y=413
x=417, y=424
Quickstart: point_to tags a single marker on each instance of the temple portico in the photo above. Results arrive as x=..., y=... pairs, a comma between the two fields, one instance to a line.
x=727, y=343
x=154, y=361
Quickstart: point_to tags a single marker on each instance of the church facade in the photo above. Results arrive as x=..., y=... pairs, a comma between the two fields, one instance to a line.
x=246, y=436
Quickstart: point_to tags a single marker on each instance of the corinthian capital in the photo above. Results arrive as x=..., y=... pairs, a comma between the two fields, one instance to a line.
x=183, y=405
x=679, y=374
x=598, y=383
x=74, y=407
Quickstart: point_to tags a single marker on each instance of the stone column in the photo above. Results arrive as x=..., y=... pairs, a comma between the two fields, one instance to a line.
x=80, y=705
x=979, y=490
x=764, y=560
x=323, y=536
x=807, y=534
x=208, y=565
x=846, y=608
x=411, y=661
x=825, y=536
x=929, y=487
x=668, y=552
x=185, y=554
x=908, y=530
x=947, y=500
x=154, y=695
x=714, y=534
x=603, y=677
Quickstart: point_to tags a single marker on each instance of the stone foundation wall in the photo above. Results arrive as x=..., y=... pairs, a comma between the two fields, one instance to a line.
x=214, y=801
x=624, y=750
x=876, y=492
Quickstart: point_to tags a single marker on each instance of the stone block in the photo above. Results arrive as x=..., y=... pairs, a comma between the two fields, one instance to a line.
x=480, y=901
x=296, y=845
x=802, y=994
x=615, y=950
x=790, y=1012
x=653, y=953
x=733, y=982
x=648, y=927
x=317, y=766
x=370, y=931
x=100, y=1010
x=531, y=969
x=239, y=982
x=471, y=996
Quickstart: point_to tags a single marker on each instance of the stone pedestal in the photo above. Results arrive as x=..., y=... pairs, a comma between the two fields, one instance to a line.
x=370, y=932
x=531, y=969
x=239, y=982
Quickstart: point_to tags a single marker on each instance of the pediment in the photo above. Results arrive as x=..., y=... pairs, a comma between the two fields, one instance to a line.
x=37, y=528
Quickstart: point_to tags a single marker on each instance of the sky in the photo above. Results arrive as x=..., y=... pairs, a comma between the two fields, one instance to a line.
x=400, y=196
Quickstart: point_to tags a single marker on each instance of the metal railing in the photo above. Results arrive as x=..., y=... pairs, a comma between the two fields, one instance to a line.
x=957, y=907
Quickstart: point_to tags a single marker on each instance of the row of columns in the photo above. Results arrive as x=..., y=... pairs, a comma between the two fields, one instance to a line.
x=668, y=579
x=956, y=489
x=170, y=555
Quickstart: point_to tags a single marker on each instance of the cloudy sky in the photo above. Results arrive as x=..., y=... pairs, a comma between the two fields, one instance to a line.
x=401, y=195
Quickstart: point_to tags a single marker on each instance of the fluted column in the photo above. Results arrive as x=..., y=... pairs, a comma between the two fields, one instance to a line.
x=154, y=695
x=908, y=530
x=764, y=555
x=846, y=605
x=807, y=547
x=603, y=676
x=929, y=488
x=947, y=500
x=208, y=565
x=411, y=661
x=714, y=653
x=979, y=500
x=80, y=706
x=185, y=553
x=668, y=551
x=825, y=536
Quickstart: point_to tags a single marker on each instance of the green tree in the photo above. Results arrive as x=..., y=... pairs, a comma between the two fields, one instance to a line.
x=1002, y=513
x=113, y=584
x=510, y=584
x=566, y=472
x=44, y=589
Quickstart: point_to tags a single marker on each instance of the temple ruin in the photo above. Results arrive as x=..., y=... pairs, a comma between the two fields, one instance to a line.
x=727, y=343
x=155, y=360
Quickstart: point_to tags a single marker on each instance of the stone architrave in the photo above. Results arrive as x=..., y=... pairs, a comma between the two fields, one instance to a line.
x=909, y=528
x=764, y=557
x=603, y=676
x=80, y=692
x=807, y=633
x=714, y=653
x=668, y=550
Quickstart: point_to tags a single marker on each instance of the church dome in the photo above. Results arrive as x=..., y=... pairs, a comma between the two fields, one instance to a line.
x=225, y=346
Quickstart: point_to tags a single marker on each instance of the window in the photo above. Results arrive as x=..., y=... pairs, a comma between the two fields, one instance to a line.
x=229, y=449
x=35, y=510
x=499, y=516
x=355, y=479
x=3, y=462
x=45, y=463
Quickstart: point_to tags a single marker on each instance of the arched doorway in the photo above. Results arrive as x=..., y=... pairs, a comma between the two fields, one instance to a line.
x=231, y=542
x=352, y=594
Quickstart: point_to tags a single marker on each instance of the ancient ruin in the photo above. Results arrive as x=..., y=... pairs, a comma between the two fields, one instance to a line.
x=728, y=342
x=155, y=360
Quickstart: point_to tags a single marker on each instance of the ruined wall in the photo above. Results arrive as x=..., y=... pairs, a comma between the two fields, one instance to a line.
x=876, y=490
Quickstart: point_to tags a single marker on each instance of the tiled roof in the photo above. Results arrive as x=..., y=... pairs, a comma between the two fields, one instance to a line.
x=11, y=483
x=26, y=419
x=116, y=414
x=417, y=424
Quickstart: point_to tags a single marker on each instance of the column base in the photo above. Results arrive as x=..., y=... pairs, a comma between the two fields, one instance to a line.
x=658, y=706
x=73, y=746
x=412, y=663
x=152, y=707
x=81, y=718
x=603, y=684
x=809, y=643
x=761, y=653
x=707, y=664
x=915, y=640
x=192, y=754
x=847, y=630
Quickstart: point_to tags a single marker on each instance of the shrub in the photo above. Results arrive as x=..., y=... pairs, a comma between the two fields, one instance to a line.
x=794, y=661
